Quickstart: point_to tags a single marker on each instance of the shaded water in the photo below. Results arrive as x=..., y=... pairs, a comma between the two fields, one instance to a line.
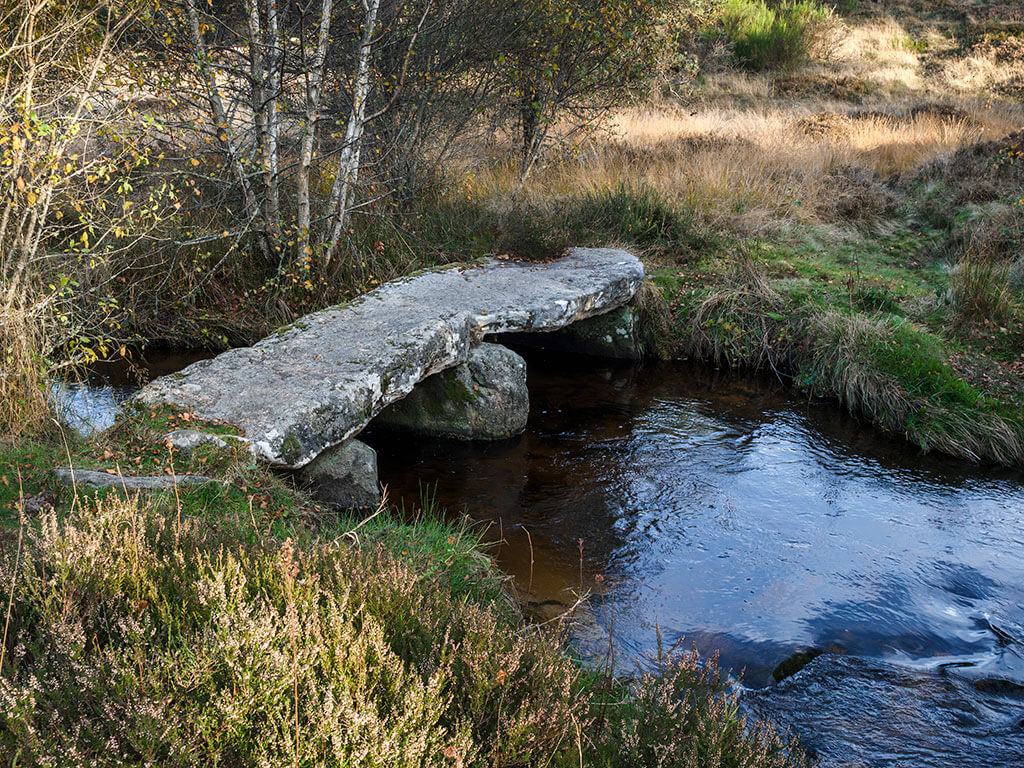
x=725, y=511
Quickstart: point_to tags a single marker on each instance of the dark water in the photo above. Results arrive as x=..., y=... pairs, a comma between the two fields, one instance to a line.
x=90, y=405
x=742, y=520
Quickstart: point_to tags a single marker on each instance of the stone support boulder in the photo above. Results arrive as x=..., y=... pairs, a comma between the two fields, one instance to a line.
x=484, y=398
x=187, y=440
x=344, y=476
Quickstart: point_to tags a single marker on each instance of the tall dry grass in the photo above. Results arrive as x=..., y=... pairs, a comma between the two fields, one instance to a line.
x=982, y=291
x=751, y=169
x=24, y=405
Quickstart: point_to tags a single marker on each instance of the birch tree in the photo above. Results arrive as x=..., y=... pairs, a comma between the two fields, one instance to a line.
x=266, y=82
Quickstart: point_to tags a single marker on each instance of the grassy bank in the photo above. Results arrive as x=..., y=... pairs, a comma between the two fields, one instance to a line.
x=240, y=624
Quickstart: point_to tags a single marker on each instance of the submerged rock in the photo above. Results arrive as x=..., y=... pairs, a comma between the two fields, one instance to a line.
x=484, y=398
x=795, y=662
x=344, y=476
x=319, y=382
x=92, y=479
x=849, y=711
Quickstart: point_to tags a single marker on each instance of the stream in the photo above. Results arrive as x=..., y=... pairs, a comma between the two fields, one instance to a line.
x=727, y=514
x=732, y=516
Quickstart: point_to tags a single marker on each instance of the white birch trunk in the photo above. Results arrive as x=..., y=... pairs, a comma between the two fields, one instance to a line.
x=272, y=118
x=220, y=117
x=315, y=75
x=348, y=162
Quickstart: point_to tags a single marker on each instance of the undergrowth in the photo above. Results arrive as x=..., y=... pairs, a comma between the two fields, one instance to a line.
x=182, y=631
x=779, y=36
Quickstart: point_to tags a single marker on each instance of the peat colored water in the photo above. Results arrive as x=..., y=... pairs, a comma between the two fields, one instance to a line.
x=725, y=511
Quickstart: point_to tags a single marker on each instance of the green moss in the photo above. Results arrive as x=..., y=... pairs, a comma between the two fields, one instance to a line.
x=291, y=449
x=455, y=389
x=917, y=359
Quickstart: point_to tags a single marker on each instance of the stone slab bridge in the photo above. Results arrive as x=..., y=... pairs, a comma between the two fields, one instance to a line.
x=300, y=395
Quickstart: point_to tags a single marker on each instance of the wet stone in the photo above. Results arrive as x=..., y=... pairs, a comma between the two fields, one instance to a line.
x=795, y=663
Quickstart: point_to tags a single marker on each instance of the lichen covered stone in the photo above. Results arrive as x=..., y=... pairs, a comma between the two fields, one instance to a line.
x=484, y=398
x=344, y=476
x=615, y=335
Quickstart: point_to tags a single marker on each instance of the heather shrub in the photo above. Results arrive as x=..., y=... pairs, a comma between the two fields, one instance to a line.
x=137, y=637
x=683, y=713
x=138, y=634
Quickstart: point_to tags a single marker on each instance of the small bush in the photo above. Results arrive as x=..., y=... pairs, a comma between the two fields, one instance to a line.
x=680, y=694
x=877, y=299
x=138, y=638
x=638, y=215
x=781, y=36
x=531, y=232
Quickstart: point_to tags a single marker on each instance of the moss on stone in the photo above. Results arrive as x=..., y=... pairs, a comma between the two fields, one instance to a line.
x=455, y=389
x=291, y=449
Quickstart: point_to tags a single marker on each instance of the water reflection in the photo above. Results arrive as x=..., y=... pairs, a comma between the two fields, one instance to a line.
x=90, y=405
x=728, y=512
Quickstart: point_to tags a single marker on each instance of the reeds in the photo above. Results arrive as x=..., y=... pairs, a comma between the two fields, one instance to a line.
x=25, y=407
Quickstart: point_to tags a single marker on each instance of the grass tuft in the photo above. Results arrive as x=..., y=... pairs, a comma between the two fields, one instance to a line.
x=982, y=292
x=25, y=408
x=780, y=36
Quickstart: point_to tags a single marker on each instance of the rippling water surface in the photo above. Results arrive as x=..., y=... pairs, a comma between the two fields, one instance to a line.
x=750, y=522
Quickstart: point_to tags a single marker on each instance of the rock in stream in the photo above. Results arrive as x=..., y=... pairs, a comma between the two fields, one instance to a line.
x=851, y=712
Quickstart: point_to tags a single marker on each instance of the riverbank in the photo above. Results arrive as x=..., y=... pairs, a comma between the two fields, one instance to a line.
x=240, y=622
x=900, y=345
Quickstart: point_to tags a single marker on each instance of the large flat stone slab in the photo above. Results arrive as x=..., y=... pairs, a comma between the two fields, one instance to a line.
x=318, y=382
